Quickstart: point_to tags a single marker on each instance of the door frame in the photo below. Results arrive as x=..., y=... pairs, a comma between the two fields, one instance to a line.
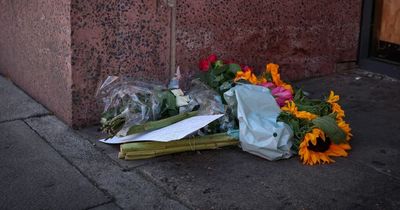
x=366, y=61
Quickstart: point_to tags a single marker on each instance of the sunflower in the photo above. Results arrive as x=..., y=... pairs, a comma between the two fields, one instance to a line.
x=345, y=127
x=332, y=98
x=292, y=108
x=316, y=148
x=336, y=108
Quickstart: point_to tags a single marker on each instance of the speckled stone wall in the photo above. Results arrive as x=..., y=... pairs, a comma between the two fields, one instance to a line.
x=115, y=37
x=35, y=50
x=60, y=51
x=306, y=37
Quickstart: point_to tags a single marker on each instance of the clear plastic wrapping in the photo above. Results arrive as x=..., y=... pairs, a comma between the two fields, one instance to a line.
x=207, y=100
x=128, y=102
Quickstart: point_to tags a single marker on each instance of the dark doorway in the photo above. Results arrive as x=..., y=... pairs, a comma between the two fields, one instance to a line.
x=380, y=37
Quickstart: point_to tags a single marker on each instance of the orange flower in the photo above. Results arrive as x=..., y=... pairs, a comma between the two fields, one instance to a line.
x=273, y=69
x=242, y=75
x=248, y=76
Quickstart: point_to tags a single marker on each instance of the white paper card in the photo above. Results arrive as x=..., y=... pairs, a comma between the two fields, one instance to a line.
x=172, y=132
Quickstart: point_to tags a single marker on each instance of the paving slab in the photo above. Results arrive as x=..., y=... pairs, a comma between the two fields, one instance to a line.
x=232, y=179
x=368, y=178
x=108, y=206
x=93, y=134
x=130, y=189
x=15, y=104
x=35, y=176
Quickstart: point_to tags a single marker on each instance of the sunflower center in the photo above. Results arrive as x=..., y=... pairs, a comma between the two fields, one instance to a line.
x=321, y=145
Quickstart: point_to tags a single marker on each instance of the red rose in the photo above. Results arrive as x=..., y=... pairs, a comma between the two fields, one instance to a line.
x=204, y=65
x=212, y=58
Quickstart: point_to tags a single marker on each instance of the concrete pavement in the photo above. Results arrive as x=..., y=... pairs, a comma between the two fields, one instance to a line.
x=46, y=165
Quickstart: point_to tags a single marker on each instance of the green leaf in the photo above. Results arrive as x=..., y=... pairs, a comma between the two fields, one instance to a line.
x=219, y=78
x=268, y=76
x=298, y=96
x=234, y=68
x=220, y=69
x=330, y=128
x=218, y=63
x=229, y=75
x=168, y=104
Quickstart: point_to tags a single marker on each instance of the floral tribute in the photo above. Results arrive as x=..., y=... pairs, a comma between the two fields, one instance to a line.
x=320, y=131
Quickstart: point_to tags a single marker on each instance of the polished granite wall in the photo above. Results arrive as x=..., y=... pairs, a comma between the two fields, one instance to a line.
x=62, y=61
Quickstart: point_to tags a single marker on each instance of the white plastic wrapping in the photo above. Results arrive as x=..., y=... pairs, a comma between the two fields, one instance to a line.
x=257, y=112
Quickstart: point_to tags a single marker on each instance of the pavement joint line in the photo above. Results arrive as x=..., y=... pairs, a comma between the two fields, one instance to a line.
x=376, y=170
x=123, y=168
x=29, y=117
x=164, y=189
x=143, y=175
x=107, y=194
x=102, y=204
x=132, y=168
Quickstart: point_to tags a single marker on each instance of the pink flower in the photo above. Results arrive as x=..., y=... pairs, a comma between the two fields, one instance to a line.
x=246, y=68
x=281, y=95
x=204, y=65
x=212, y=58
x=269, y=85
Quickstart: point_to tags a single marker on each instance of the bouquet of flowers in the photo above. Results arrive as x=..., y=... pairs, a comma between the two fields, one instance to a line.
x=318, y=126
x=319, y=129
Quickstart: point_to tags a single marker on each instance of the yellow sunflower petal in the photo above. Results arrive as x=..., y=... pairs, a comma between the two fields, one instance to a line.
x=336, y=108
x=313, y=139
x=336, y=151
x=325, y=158
x=345, y=127
x=305, y=115
x=314, y=158
x=345, y=146
x=332, y=97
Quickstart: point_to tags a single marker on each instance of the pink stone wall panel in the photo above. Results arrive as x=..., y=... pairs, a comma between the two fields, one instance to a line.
x=60, y=50
x=306, y=37
x=94, y=46
x=117, y=37
x=35, y=50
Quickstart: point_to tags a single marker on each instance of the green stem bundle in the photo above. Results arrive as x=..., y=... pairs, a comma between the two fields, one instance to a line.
x=144, y=150
x=153, y=125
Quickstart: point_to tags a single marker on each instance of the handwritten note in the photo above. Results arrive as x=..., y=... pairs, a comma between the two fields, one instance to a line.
x=172, y=132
